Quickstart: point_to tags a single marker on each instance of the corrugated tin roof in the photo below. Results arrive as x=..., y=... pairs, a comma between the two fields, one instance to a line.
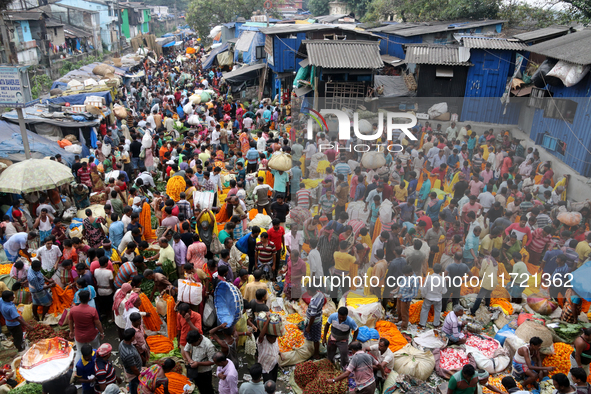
x=573, y=48
x=344, y=54
x=53, y=23
x=75, y=32
x=493, y=43
x=441, y=55
x=417, y=29
x=301, y=28
x=540, y=34
x=23, y=16
x=243, y=70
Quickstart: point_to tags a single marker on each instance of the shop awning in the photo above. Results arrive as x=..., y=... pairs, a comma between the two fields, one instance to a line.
x=244, y=73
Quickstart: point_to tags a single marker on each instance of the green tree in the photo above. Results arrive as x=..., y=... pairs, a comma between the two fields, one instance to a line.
x=520, y=13
x=205, y=14
x=318, y=7
x=432, y=10
x=582, y=7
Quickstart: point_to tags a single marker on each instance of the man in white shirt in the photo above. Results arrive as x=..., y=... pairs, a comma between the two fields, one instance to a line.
x=209, y=122
x=384, y=355
x=215, y=136
x=486, y=199
x=432, y=292
x=42, y=204
x=315, y=261
x=247, y=123
x=261, y=143
x=151, y=120
x=147, y=178
x=49, y=255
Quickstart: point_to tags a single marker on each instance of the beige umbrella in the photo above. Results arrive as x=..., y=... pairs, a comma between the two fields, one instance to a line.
x=34, y=175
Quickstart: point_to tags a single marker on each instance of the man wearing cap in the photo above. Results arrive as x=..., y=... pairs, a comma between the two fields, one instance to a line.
x=103, y=369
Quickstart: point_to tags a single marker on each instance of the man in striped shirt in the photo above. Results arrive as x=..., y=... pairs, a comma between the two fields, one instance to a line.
x=265, y=254
x=540, y=239
x=127, y=271
x=342, y=167
x=303, y=196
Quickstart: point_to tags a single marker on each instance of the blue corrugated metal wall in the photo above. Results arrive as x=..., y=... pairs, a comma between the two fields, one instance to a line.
x=284, y=53
x=487, y=79
x=577, y=135
x=391, y=44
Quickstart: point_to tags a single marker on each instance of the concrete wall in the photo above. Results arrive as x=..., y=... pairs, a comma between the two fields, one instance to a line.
x=54, y=71
x=28, y=57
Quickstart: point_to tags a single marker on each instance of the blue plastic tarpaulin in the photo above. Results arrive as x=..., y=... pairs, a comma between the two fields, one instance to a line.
x=169, y=44
x=212, y=55
x=59, y=85
x=12, y=144
x=78, y=99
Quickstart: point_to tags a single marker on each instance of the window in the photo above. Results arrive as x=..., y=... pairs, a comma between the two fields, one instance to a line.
x=260, y=52
x=444, y=72
x=562, y=109
x=536, y=99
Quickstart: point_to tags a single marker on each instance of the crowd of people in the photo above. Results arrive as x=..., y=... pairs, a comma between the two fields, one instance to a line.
x=463, y=204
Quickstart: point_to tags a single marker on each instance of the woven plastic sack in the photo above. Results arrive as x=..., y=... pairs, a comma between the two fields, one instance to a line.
x=281, y=162
x=209, y=317
x=414, y=362
x=120, y=112
x=204, y=199
x=190, y=292
x=195, y=99
x=373, y=160
x=385, y=212
x=228, y=303
x=205, y=97
x=103, y=69
x=530, y=329
x=570, y=74
x=356, y=211
x=541, y=304
x=261, y=220
x=497, y=363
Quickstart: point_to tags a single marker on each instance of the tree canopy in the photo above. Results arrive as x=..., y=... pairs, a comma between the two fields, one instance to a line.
x=203, y=15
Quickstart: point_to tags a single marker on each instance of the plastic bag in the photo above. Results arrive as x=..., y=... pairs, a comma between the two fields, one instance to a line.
x=366, y=333
x=579, y=282
x=356, y=211
x=242, y=243
x=503, y=333
x=570, y=218
x=190, y=292
x=250, y=346
x=373, y=160
x=209, y=317
x=496, y=364
x=385, y=212
x=429, y=340
x=160, y=306
x=437, y=110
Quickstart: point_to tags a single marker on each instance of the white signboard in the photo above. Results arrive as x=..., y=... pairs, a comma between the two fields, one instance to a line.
x=11, y=89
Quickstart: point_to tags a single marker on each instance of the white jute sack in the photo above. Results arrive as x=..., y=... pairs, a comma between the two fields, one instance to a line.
x=281, y=162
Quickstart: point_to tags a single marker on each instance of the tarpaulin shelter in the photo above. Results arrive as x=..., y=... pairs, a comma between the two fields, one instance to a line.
x=246, y=45
x=245, y=75
x=11, y=145
x=208, y=63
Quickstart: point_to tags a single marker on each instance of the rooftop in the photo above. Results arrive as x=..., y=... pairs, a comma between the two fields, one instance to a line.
x=301, y=28
x=70, y=7
x=540, y=34
x=493, y=43
x=417, y=29
x=440, y=55
x=23, y=15
x=357, y=54
x=573, y=48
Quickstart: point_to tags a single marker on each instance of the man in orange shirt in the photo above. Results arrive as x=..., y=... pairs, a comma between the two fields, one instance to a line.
x=186, y=320
x=162, y=151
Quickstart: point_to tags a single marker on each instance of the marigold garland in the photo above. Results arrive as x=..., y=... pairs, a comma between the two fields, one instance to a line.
x=389, y=331
x=146, y=222
x=292, y=339
x=176, y=383
x=159, y=344
x=175, y=186
x=170, y=316
x=152, y=322
x=560, y=359
x=5, y=269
